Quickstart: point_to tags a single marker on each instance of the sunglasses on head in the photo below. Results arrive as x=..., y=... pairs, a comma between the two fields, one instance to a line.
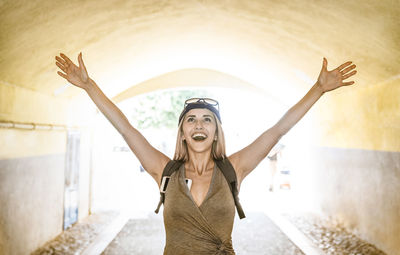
x=207, y=101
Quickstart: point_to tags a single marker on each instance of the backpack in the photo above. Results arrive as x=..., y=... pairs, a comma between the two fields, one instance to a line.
x=226, y=168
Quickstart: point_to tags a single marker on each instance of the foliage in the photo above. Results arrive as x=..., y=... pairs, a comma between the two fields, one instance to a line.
x=161, y=109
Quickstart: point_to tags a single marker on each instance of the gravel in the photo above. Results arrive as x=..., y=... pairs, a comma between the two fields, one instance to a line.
x=331, y=237
x=75, y=239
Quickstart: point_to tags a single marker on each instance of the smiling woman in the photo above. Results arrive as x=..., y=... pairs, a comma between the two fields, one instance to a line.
x=199, y=219
x=207, y=120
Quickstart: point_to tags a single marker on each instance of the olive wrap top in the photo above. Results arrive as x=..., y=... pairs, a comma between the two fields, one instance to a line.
x=204, y=229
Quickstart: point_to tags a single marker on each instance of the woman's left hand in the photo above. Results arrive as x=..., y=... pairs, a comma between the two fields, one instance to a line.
x=330, y=80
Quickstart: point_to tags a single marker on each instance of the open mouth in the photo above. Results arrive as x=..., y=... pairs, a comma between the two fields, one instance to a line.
x=199, y=136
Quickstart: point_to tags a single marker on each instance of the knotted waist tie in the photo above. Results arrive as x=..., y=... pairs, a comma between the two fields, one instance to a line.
x=225, y=248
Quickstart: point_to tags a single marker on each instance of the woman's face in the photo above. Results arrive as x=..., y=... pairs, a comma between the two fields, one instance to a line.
x=199, y=129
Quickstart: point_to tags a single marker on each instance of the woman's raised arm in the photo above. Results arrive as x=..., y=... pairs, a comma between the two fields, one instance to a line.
x=248, y=158
x=151, y=159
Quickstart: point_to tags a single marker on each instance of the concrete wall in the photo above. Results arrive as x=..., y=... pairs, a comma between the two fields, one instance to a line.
x=32, y=187
x=31, y=195
x=354, y=171
x=32, y=165
x=358, y=189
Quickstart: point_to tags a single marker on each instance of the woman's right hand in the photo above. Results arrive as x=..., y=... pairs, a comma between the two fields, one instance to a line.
x=76, y=75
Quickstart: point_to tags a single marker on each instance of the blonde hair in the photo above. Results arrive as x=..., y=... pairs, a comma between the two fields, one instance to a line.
x=218, y=146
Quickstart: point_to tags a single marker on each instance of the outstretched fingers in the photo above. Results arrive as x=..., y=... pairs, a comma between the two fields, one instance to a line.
x=348, y=69
x=66, y=59
x=62, y=75
x=325, y=64
x=344, y=65
x=348, y=83
x=344, y=77
x=81, y=64
x=62, y=61
x=62, y=67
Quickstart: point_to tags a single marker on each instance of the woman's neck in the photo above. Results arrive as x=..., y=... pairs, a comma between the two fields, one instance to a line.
x=200, y=162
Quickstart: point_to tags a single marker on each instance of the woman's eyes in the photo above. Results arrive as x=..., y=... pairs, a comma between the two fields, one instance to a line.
x=191, y=119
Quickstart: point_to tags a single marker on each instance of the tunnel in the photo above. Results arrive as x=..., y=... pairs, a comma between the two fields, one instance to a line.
x=347, y=146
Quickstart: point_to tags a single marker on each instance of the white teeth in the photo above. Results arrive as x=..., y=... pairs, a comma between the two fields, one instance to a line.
x=199, y=136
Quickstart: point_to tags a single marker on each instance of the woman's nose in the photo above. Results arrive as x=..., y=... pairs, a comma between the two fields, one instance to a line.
x=199, y=125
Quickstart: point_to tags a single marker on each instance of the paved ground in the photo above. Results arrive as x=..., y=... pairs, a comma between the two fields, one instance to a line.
x=255, y=235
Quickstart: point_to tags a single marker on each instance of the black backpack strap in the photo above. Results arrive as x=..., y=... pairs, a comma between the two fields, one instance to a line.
x=230, y=176
x=171, y=167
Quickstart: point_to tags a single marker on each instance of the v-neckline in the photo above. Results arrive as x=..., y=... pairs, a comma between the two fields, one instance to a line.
x=209, y=186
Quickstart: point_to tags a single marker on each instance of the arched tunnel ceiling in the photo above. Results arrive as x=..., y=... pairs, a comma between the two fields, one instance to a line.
x=261, y=42
x=189, y=77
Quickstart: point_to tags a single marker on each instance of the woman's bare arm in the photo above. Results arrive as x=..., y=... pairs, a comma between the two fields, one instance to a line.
x=248, y=158
x=152, y=160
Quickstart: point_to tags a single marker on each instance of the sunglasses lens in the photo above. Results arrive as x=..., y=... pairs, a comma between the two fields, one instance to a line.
x=191, y=101
x=201, y=100
x=210, y=101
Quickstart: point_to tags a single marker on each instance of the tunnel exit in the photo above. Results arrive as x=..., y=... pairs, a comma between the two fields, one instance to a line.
x=258, y=58
x=119, y=181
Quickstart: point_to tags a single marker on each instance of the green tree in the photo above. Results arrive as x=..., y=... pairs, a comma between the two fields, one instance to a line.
x=161, y=108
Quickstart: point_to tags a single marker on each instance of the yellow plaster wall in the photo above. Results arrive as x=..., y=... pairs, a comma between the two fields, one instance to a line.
x=363, y=117
x=24, y=105
x=27, y=143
